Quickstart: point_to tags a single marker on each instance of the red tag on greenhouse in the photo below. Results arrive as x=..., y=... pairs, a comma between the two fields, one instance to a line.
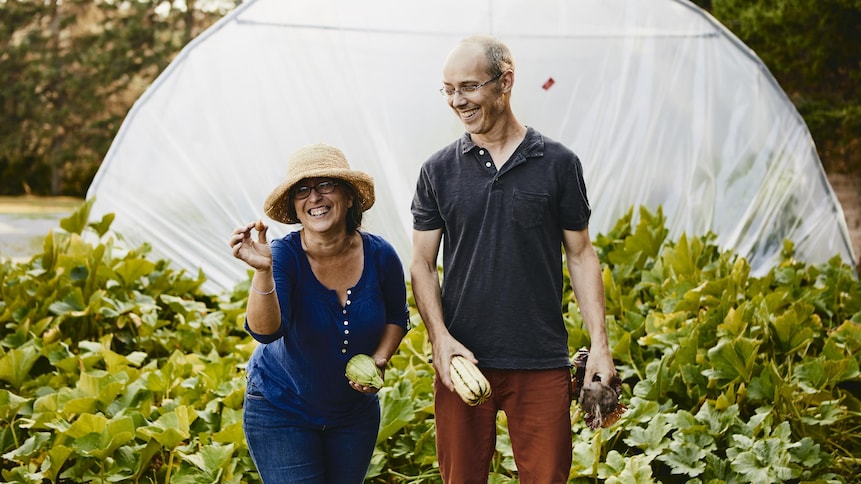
x=548, y=83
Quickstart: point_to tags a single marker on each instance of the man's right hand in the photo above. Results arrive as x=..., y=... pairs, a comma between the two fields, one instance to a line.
x=444, y=349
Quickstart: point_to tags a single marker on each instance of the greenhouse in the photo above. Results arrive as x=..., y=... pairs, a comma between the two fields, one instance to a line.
x=664, y=106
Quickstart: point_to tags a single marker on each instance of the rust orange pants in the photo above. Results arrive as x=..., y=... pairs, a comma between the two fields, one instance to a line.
x=536, y=404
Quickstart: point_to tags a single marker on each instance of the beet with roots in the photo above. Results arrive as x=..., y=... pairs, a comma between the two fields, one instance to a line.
x=600, y=402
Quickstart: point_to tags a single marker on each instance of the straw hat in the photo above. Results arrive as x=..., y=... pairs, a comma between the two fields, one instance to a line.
x=316, y=161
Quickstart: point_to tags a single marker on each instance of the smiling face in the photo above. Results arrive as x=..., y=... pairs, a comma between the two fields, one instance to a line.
x=481, y=110
x=322, y=212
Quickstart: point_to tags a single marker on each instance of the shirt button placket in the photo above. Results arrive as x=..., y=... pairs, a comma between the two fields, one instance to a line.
x=485, y=159
x=346, y=323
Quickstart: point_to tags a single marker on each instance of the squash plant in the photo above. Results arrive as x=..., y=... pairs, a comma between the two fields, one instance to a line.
x=729, y=377
x=117, y=368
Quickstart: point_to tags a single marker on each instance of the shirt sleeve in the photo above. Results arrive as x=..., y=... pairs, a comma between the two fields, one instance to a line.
x=574, y=205
x=264, y=338
x=394, y=288
x=425, y=209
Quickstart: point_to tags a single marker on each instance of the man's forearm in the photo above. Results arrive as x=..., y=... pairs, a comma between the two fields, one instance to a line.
x=588, y=286
x=426, y=292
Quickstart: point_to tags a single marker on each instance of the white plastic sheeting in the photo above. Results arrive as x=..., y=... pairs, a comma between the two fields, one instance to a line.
x=664, y=106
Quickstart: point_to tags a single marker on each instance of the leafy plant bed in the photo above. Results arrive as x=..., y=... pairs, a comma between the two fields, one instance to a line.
x=117, y=368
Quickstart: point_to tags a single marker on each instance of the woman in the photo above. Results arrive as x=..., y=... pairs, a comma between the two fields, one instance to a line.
x=319, y=296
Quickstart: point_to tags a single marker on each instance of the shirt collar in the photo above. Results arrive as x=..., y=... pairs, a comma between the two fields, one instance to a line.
x=532, y=145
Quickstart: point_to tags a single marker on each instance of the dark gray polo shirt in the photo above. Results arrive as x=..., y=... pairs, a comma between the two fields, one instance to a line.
x=502, y=246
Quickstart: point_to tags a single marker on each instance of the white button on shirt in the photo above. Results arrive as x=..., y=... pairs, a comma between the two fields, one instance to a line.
x=346, y=321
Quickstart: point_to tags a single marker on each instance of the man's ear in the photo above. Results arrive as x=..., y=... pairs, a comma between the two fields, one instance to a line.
x=507, y=80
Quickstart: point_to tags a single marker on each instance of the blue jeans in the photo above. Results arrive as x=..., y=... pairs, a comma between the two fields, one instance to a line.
x=287, y=450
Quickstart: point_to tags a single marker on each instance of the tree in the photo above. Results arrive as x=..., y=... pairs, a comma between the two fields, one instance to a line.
x=812, y=48
x=71, y=69
x=20, y=35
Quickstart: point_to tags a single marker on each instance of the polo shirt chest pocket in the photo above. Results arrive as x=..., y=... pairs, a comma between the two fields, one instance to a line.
x=528, y=209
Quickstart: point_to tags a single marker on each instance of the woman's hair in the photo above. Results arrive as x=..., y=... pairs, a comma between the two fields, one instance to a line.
x=354, y=213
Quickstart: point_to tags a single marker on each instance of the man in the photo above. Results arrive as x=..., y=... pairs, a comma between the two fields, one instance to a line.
x=506, y=200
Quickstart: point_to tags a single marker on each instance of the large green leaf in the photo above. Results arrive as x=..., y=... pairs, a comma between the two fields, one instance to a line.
x=633, y=470
x=71, y=305
x=57, y=457
x=685, y=458
x=765, y=460
x=10, y=403
x=397, y=409
x=130, y=270
x=172, y=428
x=211, y=458
x=651, y=439
x=820, y=373
x=76, y=222
x=796, y=329
x=102, y=226
x=36, y=444
x=88, y=423
x=16, y=364
x=732, y=360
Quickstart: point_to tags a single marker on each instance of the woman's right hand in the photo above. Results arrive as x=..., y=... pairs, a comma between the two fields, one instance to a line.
x=256, y=254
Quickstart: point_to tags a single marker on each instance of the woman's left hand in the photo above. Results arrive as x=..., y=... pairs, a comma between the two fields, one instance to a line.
x=381, y=364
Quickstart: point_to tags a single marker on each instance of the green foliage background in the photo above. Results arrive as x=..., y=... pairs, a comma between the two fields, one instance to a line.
x=70, y=70
x=812, y=47
x=116, y=368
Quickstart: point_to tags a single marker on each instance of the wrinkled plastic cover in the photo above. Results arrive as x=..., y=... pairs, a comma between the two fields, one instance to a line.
x=663, y=105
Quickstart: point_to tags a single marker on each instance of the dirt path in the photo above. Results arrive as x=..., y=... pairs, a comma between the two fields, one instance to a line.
x=22, y=205
x=25, y=221
x=848, y=191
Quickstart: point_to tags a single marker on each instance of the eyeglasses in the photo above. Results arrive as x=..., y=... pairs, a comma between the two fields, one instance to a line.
x=466, y=90
x=324, y=187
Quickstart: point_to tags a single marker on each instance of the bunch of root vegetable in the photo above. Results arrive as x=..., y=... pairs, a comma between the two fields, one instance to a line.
x=600, y=402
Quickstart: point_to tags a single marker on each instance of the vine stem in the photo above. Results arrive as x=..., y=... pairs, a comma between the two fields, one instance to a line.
x=169, y=468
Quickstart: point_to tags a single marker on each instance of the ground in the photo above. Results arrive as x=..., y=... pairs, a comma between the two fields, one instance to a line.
x=25, y=221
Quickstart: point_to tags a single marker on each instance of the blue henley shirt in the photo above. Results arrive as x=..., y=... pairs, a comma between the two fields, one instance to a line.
x=300, y=368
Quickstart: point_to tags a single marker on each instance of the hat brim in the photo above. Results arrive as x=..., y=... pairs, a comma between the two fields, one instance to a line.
x=276, y=204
